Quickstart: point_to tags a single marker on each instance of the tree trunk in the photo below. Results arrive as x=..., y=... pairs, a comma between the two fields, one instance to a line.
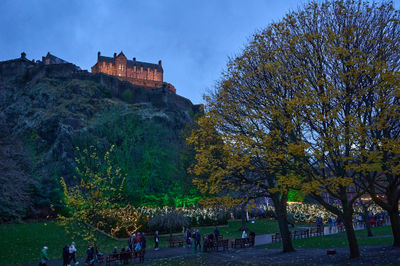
x=243, y=217
x=281, y=212
x=351, y=236
x=395, y=222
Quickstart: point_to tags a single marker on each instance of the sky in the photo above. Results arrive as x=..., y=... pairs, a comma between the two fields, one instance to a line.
x=194, y=39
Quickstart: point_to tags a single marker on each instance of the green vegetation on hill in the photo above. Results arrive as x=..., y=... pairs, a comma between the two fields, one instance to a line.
x=51, y=110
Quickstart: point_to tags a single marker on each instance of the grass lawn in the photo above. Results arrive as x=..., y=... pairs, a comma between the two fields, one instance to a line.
x=340, y=240
x=21, y=243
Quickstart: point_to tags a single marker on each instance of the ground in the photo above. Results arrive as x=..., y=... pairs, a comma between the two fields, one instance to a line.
x=33, y=236
x=20, y=245
x=370, y=255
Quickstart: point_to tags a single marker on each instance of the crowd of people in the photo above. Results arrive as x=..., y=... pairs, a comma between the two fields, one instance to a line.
x=193, y=237
x=335, y=224
x=136, y=247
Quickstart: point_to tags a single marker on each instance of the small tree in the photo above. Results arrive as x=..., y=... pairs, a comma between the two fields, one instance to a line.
x=95, y=201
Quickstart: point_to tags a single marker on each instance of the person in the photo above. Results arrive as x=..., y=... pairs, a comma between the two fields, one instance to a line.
x=360, y=220
x=43, y=257
x=156, y=240
x=252, y=238
x=65, y=255
x=334, y=223
x=122, y=256
x=98, y=256
x=188, y=238
x=72, y=254
x=205, y=243
x=330, y=224
x=89, y=256
x=197, y=240
x=244, y=235
x=115, y=251
x=137, y=247
x=143, y=247
x=125, y=255
x=339, y=224
x=216, y=233
x=137, y=240
x=130, y=242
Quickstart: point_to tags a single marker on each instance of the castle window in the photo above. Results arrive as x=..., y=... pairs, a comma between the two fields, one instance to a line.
x=148, y=71
x=155, y=71
x=141, y=69
x=134, y=68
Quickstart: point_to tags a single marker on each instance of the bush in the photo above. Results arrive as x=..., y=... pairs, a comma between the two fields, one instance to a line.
x=126, y=95
x=170, y=222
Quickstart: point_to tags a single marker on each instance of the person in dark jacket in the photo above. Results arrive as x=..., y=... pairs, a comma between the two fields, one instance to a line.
x=156, y=240
x=216, y=234
x=197, y=238
x=143, y=247
x=65, y=255
x=188, y=238
x=90, y=255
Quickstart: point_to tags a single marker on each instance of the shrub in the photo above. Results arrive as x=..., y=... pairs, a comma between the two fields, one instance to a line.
x=126, y=95
x=170, y=222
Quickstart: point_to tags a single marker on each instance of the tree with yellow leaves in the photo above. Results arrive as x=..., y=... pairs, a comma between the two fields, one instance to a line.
x=95, y=201
x=248, y=141
x=345, y=56
x=292, y=109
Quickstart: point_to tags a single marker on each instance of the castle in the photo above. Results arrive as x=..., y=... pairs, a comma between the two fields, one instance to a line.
x=138, y=73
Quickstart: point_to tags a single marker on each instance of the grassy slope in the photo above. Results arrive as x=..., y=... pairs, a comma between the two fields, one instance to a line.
x=340, y=240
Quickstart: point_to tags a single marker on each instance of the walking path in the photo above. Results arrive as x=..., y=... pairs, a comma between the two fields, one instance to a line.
x=267, y=238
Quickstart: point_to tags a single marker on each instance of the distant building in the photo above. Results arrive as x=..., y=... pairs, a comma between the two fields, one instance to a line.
x=139, y=73
x=50, y=59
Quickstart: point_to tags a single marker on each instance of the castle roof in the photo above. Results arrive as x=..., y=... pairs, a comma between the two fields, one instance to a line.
x=131, y=63
x=54, y=59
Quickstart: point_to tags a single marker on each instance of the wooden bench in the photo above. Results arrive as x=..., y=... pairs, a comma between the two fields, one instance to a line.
x=241, y=242
x=276, y=237
x=223, y=243
x=176, y=241
x=113, y=258
x=297, y=234
x=317, y=231
x=236, y=242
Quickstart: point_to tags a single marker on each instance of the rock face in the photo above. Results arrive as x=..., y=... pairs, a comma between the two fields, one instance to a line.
x=44, y=107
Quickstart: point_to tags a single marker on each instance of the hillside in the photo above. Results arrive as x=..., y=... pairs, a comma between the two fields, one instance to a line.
x=46, y=111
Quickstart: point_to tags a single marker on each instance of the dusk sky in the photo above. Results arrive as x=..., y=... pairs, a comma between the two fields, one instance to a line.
x=194, y=39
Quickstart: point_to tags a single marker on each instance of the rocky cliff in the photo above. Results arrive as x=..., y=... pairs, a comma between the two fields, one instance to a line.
x=46, y=109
